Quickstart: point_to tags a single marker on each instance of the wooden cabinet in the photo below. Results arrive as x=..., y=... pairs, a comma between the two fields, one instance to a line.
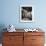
x=12, y=39
x=23, y=39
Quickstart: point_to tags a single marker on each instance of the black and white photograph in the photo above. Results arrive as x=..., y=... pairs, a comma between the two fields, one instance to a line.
x=26, y=13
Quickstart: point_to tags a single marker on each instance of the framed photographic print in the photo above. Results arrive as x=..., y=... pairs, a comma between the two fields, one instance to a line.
x=26, y=13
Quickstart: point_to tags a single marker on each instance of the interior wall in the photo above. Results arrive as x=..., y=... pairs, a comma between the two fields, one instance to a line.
x=10, y=13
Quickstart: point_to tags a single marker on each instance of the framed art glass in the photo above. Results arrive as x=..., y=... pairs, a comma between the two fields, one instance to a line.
x=26, y=13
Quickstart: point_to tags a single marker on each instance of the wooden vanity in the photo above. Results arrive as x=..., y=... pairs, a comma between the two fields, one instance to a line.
x=23, y=38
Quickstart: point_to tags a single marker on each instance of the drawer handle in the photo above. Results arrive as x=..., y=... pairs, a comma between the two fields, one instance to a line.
x=33, y=39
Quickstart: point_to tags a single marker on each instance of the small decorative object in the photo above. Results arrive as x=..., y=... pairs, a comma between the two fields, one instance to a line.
x=26, y=13
x=26, y=30
x=11, y=28
x=32, y=30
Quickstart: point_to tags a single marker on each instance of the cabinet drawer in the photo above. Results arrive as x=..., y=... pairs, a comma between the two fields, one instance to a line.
x=37, y=44
x=34, y=33
x=20, y=44
x=8, y=45
x=37, y=39
x=12, y=39
x=13, y=33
